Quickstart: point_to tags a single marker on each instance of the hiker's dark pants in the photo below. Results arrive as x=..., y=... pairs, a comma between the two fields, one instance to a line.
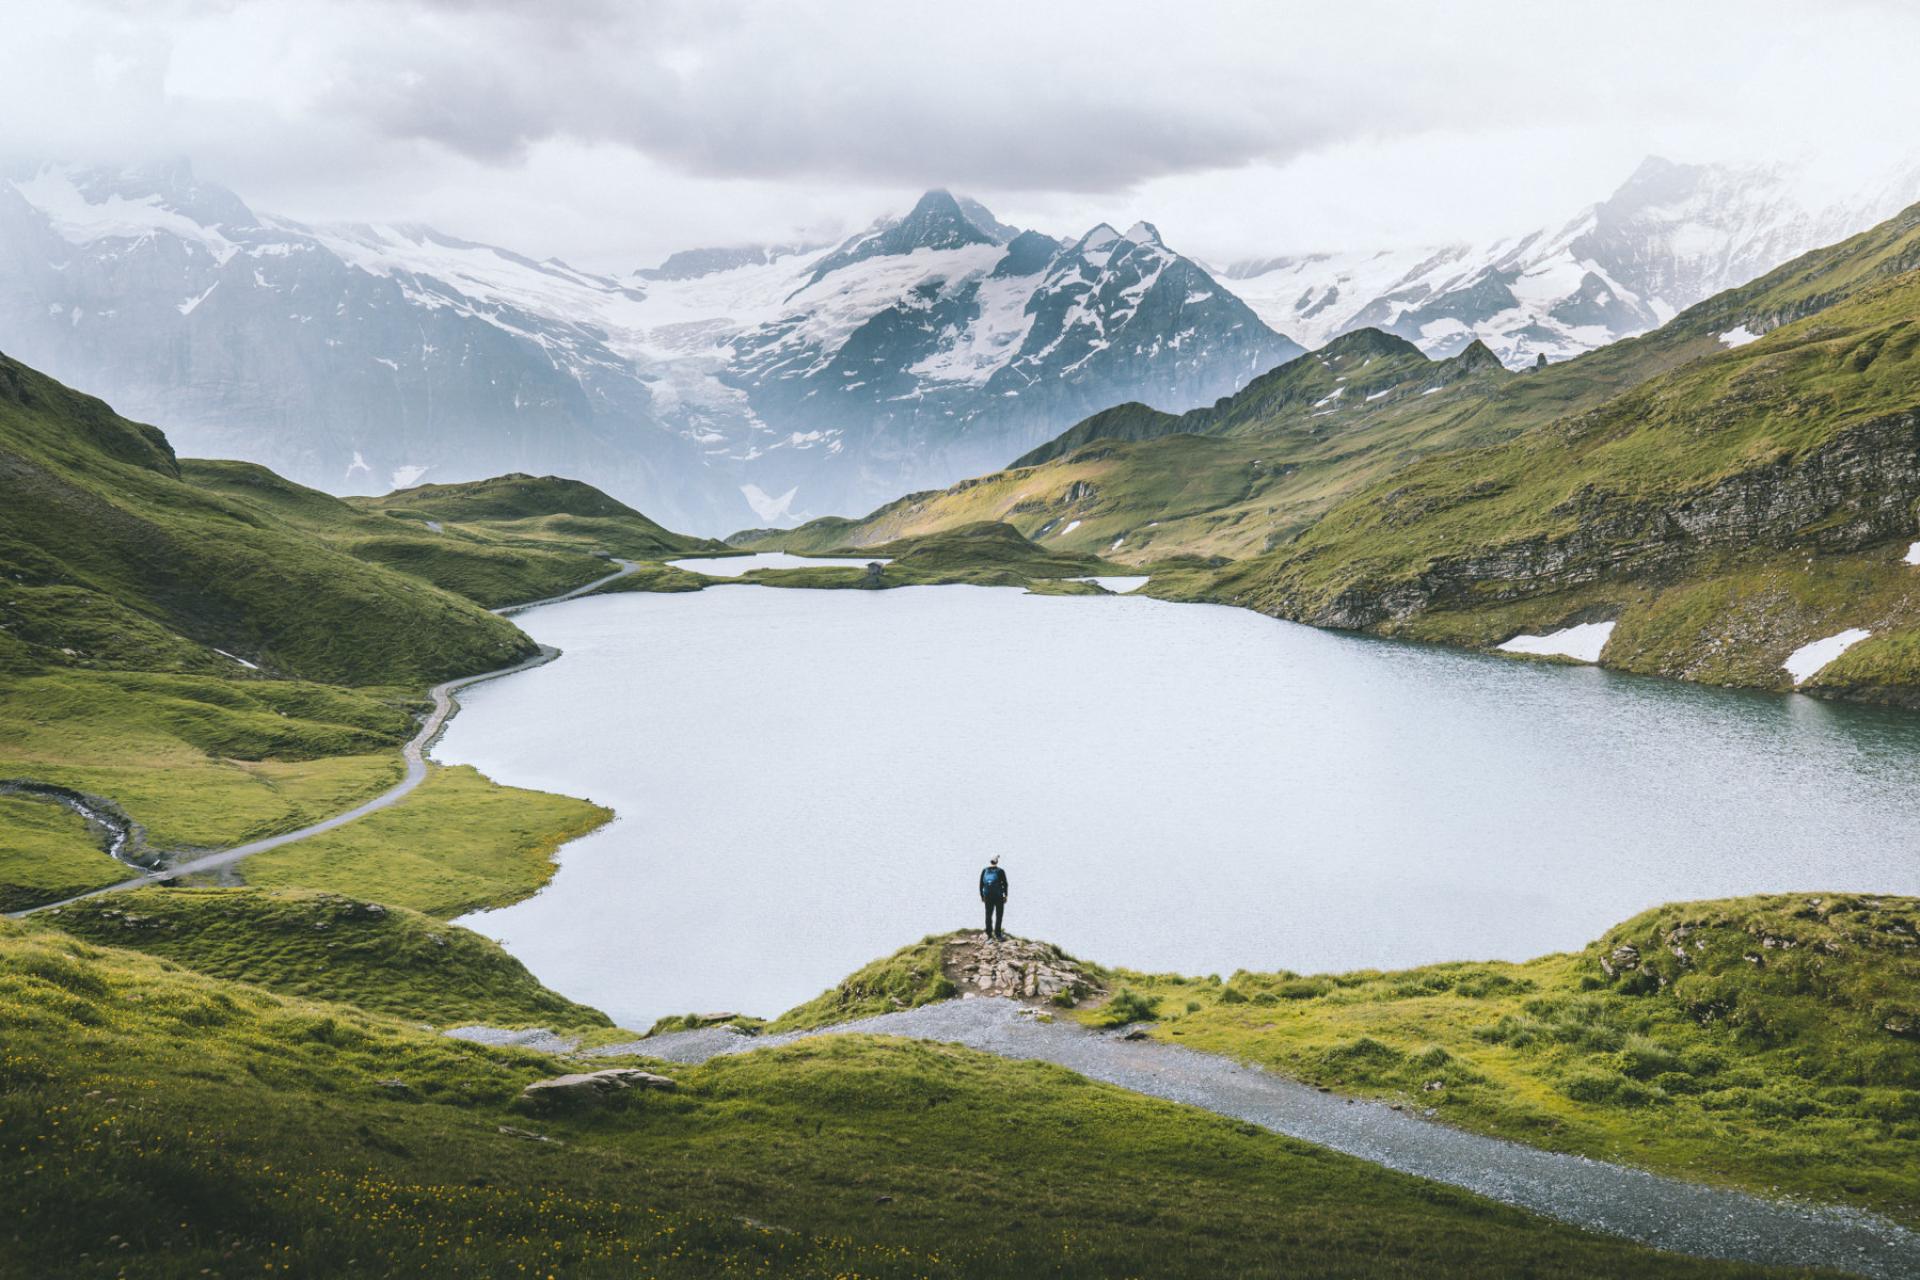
x=996, y=909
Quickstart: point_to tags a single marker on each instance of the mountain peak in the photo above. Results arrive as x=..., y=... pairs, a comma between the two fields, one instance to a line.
x=1368, y=341
x=1145, y=233
x=938, y=220
x=1101, y=237
x=937, y=202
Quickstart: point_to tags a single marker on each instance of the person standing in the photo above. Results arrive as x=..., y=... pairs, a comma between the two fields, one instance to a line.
x=993, y=892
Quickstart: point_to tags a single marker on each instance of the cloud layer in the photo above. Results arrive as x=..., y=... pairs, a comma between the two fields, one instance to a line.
x=608, y=130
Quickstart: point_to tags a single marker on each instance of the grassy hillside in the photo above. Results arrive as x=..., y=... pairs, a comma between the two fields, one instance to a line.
x=539, y=511
x=200, y=761
x=166, y=1123
x=223, y=655
x=96, y=509
x=459, y=842
x=1745, y=503
x=303, y=943
x=49, y=853
x=1764, y=1042
x=496, y=542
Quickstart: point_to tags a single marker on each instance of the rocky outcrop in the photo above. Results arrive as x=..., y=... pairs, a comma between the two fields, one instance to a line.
x=1859, y=489
x=587, y=1089
x=1017, y=969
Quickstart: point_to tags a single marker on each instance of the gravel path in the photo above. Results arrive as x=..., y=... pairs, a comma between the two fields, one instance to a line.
x=415, y=753
x=1667, y=1213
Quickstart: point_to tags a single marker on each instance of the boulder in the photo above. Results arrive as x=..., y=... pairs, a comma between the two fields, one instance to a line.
x=1624, y=959
x=587, y=1088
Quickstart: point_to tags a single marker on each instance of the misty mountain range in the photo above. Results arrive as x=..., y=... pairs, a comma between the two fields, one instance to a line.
x=766, y=384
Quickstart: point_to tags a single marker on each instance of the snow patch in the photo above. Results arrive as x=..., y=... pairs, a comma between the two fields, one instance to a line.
x=1913, y=554
x=1806, y=661
x=80, y=221
x=1583, y=642
x=765, y=505
x=1738, y=336
x=237, y=658
x=187, y=307
x=1070, y=528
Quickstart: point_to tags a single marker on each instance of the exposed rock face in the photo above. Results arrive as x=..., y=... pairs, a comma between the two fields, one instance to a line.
x=587, y=1089
x=1018, y=969
x=1857, y=490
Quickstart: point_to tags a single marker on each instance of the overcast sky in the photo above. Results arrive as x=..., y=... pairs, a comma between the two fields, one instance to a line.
x=611, y=133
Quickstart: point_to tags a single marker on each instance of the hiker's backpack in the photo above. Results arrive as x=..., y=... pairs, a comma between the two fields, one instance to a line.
x=994, y=882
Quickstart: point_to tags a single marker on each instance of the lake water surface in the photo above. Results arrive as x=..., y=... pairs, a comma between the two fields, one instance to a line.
x=806, y=780
x=734, y=566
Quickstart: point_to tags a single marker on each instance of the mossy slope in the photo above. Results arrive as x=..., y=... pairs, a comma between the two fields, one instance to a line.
x=162, y=1123
x=1770, y=1042
x=96, y=505
x=327, y=946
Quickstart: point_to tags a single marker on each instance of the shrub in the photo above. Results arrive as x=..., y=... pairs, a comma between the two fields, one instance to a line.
x=1481, y=985
x=1643, y=1059
x=1232, y=995
x=1591, y=1086
x=1129, y=1006
x=1363, y=1055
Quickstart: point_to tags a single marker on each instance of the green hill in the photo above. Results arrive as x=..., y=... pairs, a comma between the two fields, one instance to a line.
x=97, y=514
x=1722, y=513
x=222, y=655
x=540, y=511
x=384, y=959
x=495, y=542
x=169, y=1123
x=1767, y=1042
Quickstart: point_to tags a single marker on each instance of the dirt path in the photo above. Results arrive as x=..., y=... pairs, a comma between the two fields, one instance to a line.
x=415, y=754
x=1664, y=1212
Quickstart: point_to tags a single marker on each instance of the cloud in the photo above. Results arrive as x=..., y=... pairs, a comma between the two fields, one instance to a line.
x=992, y=95
x=616, y=131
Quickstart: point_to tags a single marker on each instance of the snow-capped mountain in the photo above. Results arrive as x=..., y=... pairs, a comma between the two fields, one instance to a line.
x=727, y=386
x=1672, y=235
x=928, y=346
x=354, y=359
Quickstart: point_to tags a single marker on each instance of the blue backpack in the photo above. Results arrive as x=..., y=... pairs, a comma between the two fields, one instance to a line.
x=993, y=882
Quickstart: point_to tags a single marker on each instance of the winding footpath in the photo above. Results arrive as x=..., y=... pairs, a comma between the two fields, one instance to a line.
x=1667, y=1213
x=415, y=752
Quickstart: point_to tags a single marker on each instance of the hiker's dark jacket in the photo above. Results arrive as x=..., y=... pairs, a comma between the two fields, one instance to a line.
x=993, y=885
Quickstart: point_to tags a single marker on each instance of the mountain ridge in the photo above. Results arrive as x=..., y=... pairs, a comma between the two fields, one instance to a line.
x=362, y=356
